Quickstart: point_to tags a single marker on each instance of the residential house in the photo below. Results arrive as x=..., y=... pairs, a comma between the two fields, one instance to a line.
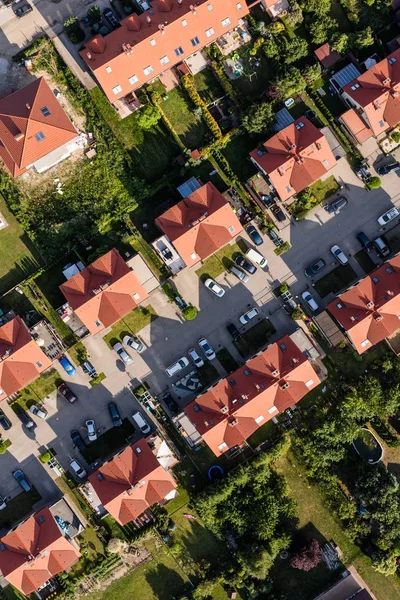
x=294, y=158
x=35, y=551
x=350, y=587
x=148, y=45
x=104, y=292
x=375, y=94
x=369, y=312
x=200, y=224
x=274, y=380
x=275, y=8
x=21, y=359
x=355, y=126
x=35, y=132
x=327, y=56
x=131, y=482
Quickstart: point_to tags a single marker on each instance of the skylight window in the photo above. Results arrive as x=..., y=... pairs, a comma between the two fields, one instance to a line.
x=164, y=60
x=388, y=270
x=117, y=89
x=133, y=79
x=195, y=41
x=375, y=280
x=109, y=69
x=299, y=125
x=39, y=136
x=184, y=23
x=259, y=419
x=210, y=32
x=178, y=51
x=226, y=22
x=392, y=60
x=365, y=343
x=148, y=70
x=45, y=111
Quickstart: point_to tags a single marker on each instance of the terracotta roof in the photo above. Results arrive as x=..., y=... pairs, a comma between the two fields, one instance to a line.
x=265, y=386
x=34, y=552
x=200, y=224
x=295, y=157
x=138, y=44
x=22, y=118
x=326, y=56
x=21, y=359
x=377, y=91
x=132, y=482
x=356, y=126
x=370, y=311
x=104, y=292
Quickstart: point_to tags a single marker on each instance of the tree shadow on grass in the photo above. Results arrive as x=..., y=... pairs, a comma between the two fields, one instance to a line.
x=165, y=583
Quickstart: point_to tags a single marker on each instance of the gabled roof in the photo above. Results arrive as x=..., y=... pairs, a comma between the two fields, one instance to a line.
x=21, y=359
x=265, y=386
x=370, y=311
x=200, y=224
x=160, y=39
x=326, y=56
x=104, y=292
x=377, y=91
x=295, y=157
x=356, y=126
x=132, y=482
x=34, y=552
x=22, y=118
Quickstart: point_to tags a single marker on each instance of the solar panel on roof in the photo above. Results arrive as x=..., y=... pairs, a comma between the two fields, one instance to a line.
x=283, y=119
x=346, y=75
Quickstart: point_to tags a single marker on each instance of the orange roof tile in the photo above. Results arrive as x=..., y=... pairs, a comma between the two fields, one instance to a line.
x=104, y=292
x=377, y=92
x=137, y=44
x=326, y=56
x=265, y=386
x=200, y=224
x=21, y=119
x=356, y=126
x=34, y=552
x=295, y=157
x=370, y=311
x=131, y=482
x=21, y=359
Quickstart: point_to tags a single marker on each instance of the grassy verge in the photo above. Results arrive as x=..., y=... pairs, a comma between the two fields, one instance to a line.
x=110, y=442
x=227, y=361
x=365, y=261
x=38, y=390
x=78, y=353
x=18, y=508
x=132, y=323
x=256, y=337
x=340, y=278
x=180, y=111
x=219, y=262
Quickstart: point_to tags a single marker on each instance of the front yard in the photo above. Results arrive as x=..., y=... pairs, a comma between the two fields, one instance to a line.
x=18, y=508
x=365, y=261
x=131, y=323
x=255, y=338
x=109, y=442
x=38, y=390
x=338, y=279
x=219, y=262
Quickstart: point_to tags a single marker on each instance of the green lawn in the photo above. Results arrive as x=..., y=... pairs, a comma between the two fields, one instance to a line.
x=131, y=323
x=237, y=155
x=18, y=508
x=208, y=374
x=188, y=125
x=267, y=432
x=254, y=81
x=18, y=256
x=323, y=189
x=219, y=262
x=110, y=442
x=254, y=338
x=340, y=278
x=365, y=261
x=78, y=353
x=227, y=361
x=208, y=86
x=338, y=13
x=38, y=389
x=49, y=281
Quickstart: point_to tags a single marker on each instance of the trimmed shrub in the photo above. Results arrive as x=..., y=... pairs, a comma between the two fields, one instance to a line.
x=190, y=313
x=284, y=248
x=4, y=445
x=374, y=183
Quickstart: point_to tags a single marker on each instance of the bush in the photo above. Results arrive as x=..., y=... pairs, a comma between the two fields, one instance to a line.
x=97, y=380
x=45, y=456
x=374, y=183
x=395, y=136
x=308, y=557
x=190, y=313
x=4, y=445
x=284, y=248
x=297, y=314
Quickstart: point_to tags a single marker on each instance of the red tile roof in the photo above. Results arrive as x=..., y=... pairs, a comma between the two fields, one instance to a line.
x=326, y=56
x=200, y=224
x=21, y=359
x=370, y=311
x=21, y=118
x=295, y=157
x=132, y=482
x=104, y=292
x=360, y=131
x=265, y=386
x=138, y=44
x=377, y=92
x=34, y=552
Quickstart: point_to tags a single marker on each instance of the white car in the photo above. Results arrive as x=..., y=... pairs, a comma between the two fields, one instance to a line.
x=208, y=351
x=141, y=423
x=133, y=342
x=388, y=216
x=91, y=430
x=77, y=469
x=214, y=287
x=307, y=297
x=177, y=366
x=249, y=315
x=339, y=255
x=196, y=358
x=38, y=411
x=124, y=356
x=3, y=503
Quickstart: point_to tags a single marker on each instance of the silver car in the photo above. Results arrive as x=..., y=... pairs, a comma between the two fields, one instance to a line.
x=133, y=342
x=39, y=411
x=124, y=356
x=91, y=430
x=214, y=287
x=208, y=351
x=77, y=469
x=196, y=358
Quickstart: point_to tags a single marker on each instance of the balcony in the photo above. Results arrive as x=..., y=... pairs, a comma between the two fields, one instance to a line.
x=127, y=105
x=232, y=40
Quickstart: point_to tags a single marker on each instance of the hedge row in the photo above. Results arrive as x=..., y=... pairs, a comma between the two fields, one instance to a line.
x=188, y=84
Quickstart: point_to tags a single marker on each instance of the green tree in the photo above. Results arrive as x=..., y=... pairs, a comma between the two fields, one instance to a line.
x=322, y=28
x=189, y=313
x=289, y=83
x=276, y=27
x=295, y=15
x=312, y=73
x=148, y=117
x=294, y=49
x=374, y=183
x=258, y=118
x=363, y=39
x=319, y=7
x=340, y=42
x=271, y=48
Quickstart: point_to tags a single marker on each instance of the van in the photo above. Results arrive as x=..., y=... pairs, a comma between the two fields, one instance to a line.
x=256, y=258
x=141, y=423
x=381, y=247
x=177, y=366
x=239, y=274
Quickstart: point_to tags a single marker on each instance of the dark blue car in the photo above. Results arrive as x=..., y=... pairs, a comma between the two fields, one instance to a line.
x=114, y=413
x=255, y=236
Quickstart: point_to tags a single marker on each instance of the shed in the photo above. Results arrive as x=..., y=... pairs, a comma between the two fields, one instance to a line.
x=329, y=329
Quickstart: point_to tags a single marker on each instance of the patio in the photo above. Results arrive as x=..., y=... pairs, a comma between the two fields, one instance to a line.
x=127, y=105
x=232, y=40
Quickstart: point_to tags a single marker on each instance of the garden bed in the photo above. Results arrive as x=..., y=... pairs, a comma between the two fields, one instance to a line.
x=110, y=442
x=340, y=278
x=219, y=262
x=255, y=338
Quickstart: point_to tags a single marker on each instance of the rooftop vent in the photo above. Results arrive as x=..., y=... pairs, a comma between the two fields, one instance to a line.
x=224, y=409
x=196, y=407
x=284, y=386
x=275, y=373
x=370, y=305
x=233, y=423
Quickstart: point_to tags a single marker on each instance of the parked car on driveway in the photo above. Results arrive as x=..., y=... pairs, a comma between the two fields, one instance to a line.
x=309, y=300
x=208, y=351
x=274, y=237
x=249, y=315
x=67, y=393
x=234, y=331
x=315, y=268
x=381, y=246
x=170, y=402
x=78, y=440
x=336, y=206
x=39, y=411
x=214, y=287
x=22, y=479
x=67, y=365
x=245, y=264
x=122, y=353
x=91, y=430
x=77, y=469
x=278, y=213
x=141, y=422
x=25, y=419
x=365, y=242
x=196, y=358
x=133, y=342
x=339, y=255
x=388, y=216
x=239, y=273
x=4, y=421
x=385, y=169
x=114, y=413
x=22, y=8
x=254, y=235
x=177, y=366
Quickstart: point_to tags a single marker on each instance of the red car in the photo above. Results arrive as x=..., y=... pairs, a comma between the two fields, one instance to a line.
x=67, y=392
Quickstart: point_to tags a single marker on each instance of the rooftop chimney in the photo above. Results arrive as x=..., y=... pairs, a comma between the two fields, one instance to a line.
x=148, y=19
x=89, y=55
x=28, y=106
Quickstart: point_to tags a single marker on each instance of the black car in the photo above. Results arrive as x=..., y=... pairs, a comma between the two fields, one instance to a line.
x=336, y=206
x=245, y=264
x=22, y=10
x=179, y=301
x=275, y=237
x=365, y=242
x=278, y=213
x=111, y=18
x=395, y=166
x=78, y=440
x=114, y=413
x=267, y=200
x=234, y=331
x=255, y=236
x=170, y=402
x=315, y=268
x=25, y=419
x=4, y=421
x=67, y=393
